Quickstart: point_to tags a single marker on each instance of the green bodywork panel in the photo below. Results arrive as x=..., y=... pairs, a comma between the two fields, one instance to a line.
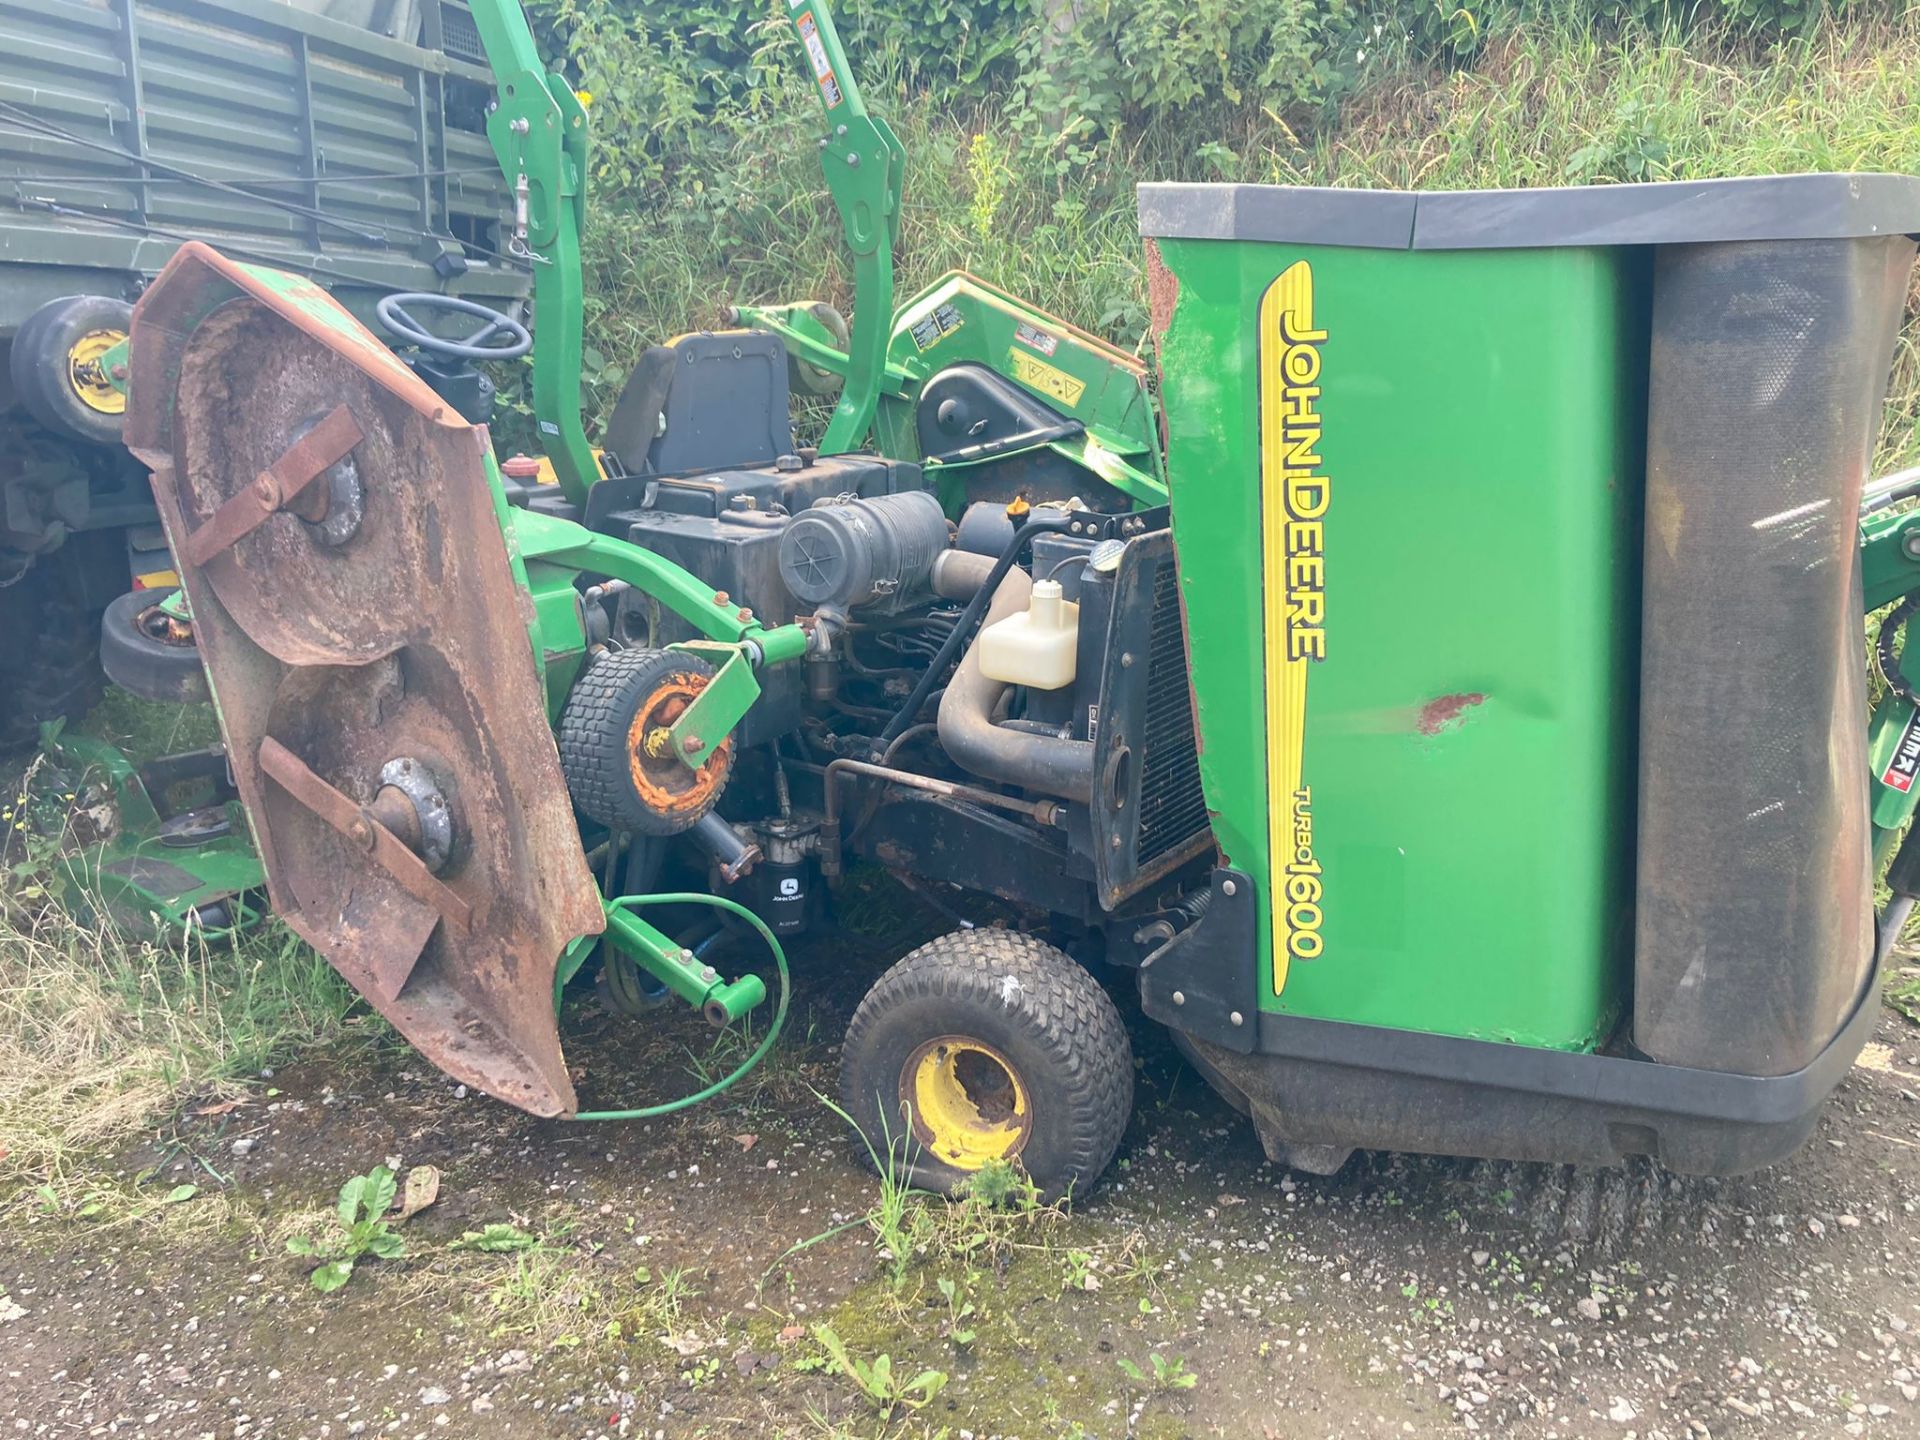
x=960, y=319
x=1452, y=814
x=143, y=884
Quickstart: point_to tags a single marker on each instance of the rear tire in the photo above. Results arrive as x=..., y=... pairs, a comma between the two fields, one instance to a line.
x=51, y=353
x=988, y=1045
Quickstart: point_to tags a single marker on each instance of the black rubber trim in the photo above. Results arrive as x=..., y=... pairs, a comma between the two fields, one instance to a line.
x=1766, y=207
x=1610, y=1080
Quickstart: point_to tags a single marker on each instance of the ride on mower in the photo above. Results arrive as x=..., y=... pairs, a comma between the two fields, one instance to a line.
x=1442, y=703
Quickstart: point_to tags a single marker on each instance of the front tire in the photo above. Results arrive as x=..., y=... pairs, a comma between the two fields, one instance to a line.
x=56, y=364
x=614, y=748
x=985, y=1046
x=148, y=653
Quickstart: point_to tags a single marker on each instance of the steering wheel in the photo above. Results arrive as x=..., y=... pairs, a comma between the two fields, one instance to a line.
x=500, y=337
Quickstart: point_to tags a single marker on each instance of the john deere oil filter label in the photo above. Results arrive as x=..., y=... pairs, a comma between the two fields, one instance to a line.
x=1905, y=763
x=1049, y=380
x=817, y=53
x=1294, y=494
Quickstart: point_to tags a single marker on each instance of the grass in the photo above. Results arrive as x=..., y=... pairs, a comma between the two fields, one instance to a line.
x=552, y=1297
x=101, y=1033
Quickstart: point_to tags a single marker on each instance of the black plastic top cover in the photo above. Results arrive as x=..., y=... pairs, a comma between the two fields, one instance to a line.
x=1683, y=212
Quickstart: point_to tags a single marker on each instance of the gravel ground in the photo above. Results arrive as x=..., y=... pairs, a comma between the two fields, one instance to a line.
x=1405, y=1295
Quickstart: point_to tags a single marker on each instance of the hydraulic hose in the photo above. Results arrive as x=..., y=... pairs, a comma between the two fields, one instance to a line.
x=1891, y=628
x=1037, y=523
x=727, y=1082
x=1051, y=764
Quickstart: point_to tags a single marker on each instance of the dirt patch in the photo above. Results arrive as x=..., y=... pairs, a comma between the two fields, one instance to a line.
x=693, y=1257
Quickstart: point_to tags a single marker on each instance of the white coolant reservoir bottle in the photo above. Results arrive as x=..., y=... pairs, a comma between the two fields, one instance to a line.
x=1036, y=647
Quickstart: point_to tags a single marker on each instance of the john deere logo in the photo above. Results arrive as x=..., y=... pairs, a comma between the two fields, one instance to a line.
x=1294, y=496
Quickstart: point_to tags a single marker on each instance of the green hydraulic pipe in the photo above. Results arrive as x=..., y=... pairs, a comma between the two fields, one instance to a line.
x=575, y=953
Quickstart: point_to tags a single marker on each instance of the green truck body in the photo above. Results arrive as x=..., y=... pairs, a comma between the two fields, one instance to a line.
x=289, y=107
x=340, y=139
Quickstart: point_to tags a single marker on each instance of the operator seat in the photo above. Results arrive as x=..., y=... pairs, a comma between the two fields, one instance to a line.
x=706, y=401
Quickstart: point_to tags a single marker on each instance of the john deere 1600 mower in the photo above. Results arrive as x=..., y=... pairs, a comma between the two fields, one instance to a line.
x=1473, y=756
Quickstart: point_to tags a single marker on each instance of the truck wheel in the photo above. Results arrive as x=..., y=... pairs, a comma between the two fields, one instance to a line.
x=988, y=1045
x=55, y=364
x=49, y=668
x=614, y=748
x=145, y=650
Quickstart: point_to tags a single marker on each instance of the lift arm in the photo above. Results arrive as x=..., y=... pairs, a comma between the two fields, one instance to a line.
x=539, y=134
x=865, y=166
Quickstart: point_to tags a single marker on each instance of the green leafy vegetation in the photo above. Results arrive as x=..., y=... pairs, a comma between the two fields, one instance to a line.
x=876, y=1379
x=1163, y=1374
x=361, y=1229
x=1021, y=169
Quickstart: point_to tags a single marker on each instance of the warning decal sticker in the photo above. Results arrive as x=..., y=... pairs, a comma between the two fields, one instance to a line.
x=1034, y=336
x=930, y=330
x=1905, y=763
x=1047, y=379
x=817, y=52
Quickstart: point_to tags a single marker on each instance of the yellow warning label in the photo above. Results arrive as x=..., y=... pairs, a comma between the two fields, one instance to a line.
x=1047, y=379
x=1294, y=491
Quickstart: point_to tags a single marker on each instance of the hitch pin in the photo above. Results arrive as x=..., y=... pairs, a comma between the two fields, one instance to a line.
x=517, y=243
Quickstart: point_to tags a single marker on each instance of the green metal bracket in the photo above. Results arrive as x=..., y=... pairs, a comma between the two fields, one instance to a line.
x=865, y=166
x=1889, y=556
x=539, y=134
x=677, y=968
x=708, y=721
x=723, y=1001
x=115, y=365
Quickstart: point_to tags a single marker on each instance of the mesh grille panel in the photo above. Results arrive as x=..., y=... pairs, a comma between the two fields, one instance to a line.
x=459, y=36
x=1172, y=807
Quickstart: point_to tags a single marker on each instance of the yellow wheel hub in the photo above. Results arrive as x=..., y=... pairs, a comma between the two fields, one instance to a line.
x=89, y=377
x=967, y=1102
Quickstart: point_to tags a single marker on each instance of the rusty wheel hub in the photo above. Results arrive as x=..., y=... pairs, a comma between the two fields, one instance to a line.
x=664, y=784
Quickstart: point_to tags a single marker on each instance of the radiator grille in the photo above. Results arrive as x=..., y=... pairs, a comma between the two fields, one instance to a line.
x=1172, y=807
x=459, y=36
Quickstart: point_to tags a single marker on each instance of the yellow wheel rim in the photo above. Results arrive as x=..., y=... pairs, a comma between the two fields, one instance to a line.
x=966, y=1102
x=89, y=377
